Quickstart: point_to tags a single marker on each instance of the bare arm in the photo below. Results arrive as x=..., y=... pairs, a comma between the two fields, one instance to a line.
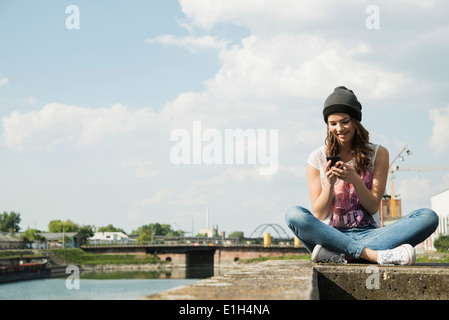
x=370, y=200
x=321, y=196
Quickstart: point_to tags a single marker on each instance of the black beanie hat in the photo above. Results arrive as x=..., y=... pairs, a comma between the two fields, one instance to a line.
x=342, y=100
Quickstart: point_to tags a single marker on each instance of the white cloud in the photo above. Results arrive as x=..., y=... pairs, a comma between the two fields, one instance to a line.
x=191, y=197
x=133, y=216
x=299, y=66
x=235, y=174
x=3, y=80
x=31, y=100
x=190, y=43
x=440, y=134
x=206, y=14
x=424, y=4
x=143, y=168
x=415, y=189
x=159, y=197
x=263, y=71
x=58, y=122
x=201, y=192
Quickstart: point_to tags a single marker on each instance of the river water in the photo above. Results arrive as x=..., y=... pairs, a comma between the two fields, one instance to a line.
x=98, y=286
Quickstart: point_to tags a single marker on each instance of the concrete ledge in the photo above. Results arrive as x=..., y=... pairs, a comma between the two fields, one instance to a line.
x=374, y=282
x=269, y=280
x=304, y=280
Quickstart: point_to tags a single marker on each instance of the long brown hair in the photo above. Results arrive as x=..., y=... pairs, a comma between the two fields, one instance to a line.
x=362, y=150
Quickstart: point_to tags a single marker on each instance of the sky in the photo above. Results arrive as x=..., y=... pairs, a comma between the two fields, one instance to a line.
x=101, y=100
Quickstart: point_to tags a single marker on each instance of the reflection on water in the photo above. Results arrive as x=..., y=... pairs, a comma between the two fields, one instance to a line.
x=199, y=272
x=112, y=285
x=176, y=273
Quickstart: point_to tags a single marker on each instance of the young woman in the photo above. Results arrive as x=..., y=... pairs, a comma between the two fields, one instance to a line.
x=346, y=196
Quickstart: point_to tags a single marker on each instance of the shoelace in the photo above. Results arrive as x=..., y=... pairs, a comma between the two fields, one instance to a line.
x=392, y=256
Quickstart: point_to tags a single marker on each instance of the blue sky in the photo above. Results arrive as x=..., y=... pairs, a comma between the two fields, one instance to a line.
x=87, y=113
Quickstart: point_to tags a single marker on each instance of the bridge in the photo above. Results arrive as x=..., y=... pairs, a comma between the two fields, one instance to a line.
x=209, y=251
x=198, y=255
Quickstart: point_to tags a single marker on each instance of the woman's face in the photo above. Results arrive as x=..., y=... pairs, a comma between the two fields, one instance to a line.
x=341, y=126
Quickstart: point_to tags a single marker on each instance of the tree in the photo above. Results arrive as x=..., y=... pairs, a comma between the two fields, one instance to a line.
x=86, y=231
x=236, y=234
x=58, y=226
x=110, y=228
x=143, y=237
x=158, y=229
x=202, y=235
x=147, y=232
x=31, y=235
x=9, y=222
x=442, y=243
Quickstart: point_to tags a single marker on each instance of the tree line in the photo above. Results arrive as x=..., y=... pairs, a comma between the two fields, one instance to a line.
x=9, y=222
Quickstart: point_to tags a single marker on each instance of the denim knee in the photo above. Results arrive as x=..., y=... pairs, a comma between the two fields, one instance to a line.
x=428, y=219
x=431, y=217
x=296, y=216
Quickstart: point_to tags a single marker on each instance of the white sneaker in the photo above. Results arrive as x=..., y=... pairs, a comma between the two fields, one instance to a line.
x=403, y=255
x=323, y=255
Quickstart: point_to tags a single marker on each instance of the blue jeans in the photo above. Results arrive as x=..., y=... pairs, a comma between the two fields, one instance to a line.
x=413, y=229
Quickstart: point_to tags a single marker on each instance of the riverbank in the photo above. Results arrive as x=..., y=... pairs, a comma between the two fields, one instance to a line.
x=80, y=257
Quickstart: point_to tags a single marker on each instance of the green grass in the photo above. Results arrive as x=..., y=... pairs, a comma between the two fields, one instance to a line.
x=430, y=259
x=78, y=256
x=16, y=253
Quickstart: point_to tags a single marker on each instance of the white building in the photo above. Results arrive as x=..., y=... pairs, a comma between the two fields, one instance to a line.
x=210, y=232
x=439, y=204
x=109, y=238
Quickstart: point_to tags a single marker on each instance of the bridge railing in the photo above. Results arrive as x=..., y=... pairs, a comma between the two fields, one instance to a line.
x=100, y=246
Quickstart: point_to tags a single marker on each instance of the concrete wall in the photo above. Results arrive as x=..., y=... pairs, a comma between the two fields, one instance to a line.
x=232, y=255
x=178, y=259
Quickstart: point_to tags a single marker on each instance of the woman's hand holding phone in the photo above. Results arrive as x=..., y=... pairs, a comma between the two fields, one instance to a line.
x=330, y=173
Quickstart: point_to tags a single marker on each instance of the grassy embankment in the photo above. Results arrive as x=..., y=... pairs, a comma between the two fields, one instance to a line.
x=78, y=256
x=8, y=254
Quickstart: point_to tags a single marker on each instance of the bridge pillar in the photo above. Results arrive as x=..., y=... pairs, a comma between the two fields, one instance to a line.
x=203, y=258
x=200, y=264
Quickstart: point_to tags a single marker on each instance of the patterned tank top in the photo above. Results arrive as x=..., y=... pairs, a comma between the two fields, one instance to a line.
x=346, y=211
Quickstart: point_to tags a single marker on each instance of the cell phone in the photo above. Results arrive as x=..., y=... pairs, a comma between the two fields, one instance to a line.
x=334, y=160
